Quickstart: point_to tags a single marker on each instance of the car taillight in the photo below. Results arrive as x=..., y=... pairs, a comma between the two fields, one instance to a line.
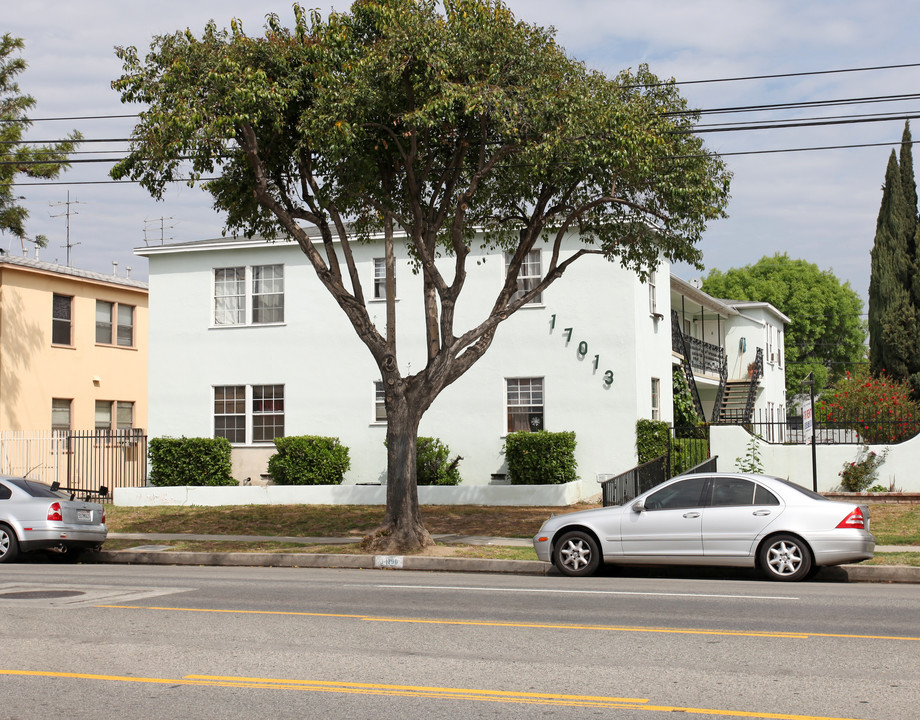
x=854, y=520
x=103, y=516
x=54, y=512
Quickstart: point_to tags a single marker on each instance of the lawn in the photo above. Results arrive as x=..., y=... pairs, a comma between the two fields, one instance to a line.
x=891, y=525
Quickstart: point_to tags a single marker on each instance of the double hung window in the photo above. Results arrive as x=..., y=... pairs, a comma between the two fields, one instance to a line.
x=529, y=275
x=251, y=295
x=114, y=324
x=249, y=413
x=62, y=320
x=524, y=402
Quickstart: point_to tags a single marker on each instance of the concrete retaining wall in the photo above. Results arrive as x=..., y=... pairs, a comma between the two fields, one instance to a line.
x=501, y=495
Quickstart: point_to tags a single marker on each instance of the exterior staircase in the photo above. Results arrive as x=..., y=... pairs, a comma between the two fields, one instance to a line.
x=737, y=402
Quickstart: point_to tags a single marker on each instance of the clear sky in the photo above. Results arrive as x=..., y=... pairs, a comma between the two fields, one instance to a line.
x=817, y=205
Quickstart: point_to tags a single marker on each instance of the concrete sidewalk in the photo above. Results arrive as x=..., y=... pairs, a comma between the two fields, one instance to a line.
x=148, y=552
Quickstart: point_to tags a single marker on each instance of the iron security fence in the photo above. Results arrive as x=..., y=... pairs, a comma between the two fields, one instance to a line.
x=835, y=429
x=82, y=461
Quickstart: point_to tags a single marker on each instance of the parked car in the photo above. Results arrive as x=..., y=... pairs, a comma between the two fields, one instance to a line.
x=36, y=516
x=722, y=519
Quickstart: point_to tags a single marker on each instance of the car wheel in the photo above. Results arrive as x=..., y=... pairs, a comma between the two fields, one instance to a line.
x=577, y=554
x=785, y=557
x=9, y=546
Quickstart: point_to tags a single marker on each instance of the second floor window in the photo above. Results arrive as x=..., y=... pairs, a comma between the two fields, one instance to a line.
x=114, y=324
x=249, y=295
x=62, y=320
x=652, y=293
x=380, y=278
x=529, y=276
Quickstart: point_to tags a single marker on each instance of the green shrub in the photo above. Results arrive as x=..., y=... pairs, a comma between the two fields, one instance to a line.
x=858, y=475
x=541, y=458
x=308, y=460
x=652, y=438
x=190, y=461
x=433, y=465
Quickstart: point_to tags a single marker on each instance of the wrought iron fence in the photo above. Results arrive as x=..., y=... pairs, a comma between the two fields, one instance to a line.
x=835, y=429
x=79, y=460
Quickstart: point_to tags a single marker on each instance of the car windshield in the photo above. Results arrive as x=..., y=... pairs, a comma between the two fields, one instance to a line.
x=798, y=488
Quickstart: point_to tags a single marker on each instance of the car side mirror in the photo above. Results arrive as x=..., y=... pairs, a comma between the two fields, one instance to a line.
x=638, y=507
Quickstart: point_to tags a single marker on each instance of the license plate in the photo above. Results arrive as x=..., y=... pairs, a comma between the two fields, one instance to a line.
x=84, y=515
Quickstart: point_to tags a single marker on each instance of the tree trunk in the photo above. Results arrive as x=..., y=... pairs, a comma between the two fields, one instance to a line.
x=402, y=530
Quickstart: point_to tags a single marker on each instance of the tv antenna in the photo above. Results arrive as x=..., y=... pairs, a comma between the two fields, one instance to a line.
x=150, y=227
x=67, y=213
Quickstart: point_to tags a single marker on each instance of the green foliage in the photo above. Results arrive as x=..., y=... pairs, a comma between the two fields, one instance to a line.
x=826, y=332
x=750, y=462
x=190, y=461
x=541, y=458
x=881, y=410
x=858, y=475
x=433, y=464
x=652, y=438
x=684, y=411
x=308, y=460
x=15, y=155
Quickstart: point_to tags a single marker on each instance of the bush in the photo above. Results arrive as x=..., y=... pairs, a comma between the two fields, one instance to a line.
x=880, y=409
x=652, y=438
x=308, y=460
x=858, y=475
x=433, y=465
x=190, y=461
x=541, y=458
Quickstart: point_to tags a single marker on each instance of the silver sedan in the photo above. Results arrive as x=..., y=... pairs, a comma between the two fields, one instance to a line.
x=724, y=519
x=35, y=516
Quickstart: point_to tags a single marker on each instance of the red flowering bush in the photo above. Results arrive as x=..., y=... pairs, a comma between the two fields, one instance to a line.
x=879, y=409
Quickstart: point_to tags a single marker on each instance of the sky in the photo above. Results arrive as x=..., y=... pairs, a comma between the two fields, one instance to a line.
x=820, y=206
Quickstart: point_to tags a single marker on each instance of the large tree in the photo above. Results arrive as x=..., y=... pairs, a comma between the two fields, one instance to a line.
x=450, y=123
x=826, y=333
x=18, y=157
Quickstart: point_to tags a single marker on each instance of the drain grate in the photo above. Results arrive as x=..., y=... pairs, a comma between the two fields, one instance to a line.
x=40, y=594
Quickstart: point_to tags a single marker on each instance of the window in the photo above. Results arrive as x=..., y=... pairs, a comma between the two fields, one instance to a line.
x=652, y=294
x=123, y=326
x=683, y=494
x=380, y=278
x=267, y=294
x=230, y=296
x=738, y=491
x=529, y=275
x=230, y=413
x=267, y=412
x=525, y=404
x=62, y=320
x=124, y=415
x=265, y=303
x=60, y=414
x=124, y=331
x=380, y=405
x=656, y=399
x=264, y=420
x=103, y=416
x=104, y=322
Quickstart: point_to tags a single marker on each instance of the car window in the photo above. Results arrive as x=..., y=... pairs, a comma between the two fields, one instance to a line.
x=764, y=497
x=732, y=491
x=683, y=494
x=5, y=492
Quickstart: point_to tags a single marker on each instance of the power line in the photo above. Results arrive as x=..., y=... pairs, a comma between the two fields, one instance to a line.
x=784, y=75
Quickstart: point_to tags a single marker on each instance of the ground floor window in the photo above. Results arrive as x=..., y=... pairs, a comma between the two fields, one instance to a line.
x=114, y=415
x=524, y=401
x=380, y=404
x=61, y=414
x=656, y=399
x=249, y=411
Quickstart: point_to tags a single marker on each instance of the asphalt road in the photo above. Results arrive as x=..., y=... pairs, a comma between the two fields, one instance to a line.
x=117, y=641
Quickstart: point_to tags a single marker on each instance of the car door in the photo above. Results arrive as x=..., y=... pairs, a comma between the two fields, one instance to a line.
x=738, y=512
x=669, y=523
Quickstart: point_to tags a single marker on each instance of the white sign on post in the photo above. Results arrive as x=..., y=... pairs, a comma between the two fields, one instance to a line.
x=807, y=424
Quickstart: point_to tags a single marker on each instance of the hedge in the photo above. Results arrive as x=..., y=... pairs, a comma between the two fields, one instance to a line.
x=308, y=460
x=541, y=458
x=190, y=461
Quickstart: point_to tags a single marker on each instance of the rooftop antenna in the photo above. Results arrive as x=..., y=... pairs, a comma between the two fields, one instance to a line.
x=163, y=228
x=68, y=212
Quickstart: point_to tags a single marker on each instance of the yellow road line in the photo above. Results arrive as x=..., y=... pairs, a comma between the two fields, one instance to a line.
x=543, y=626
x=434, y=693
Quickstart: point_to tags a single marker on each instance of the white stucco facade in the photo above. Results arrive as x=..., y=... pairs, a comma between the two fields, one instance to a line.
x=328, y=376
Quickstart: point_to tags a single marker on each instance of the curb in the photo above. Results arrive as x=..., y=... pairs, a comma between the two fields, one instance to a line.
x=840, y=573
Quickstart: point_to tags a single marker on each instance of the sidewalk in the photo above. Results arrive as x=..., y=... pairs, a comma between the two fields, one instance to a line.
x=148, y=552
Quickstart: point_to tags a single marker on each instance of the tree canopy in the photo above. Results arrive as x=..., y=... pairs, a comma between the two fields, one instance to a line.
x=16, y=156
x=826, y=333
x=447, y=122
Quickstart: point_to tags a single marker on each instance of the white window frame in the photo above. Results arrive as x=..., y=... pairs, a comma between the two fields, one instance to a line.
x=530, y=275
x=656, y=398
x=653, y=293
x=380, y=278
x=248, y=397
x=380, y=406
x=516, y=393
x=245, y=288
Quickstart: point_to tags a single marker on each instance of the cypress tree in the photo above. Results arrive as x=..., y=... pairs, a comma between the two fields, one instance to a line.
x=891, y=310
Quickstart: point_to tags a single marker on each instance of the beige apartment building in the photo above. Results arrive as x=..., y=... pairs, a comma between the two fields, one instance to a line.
x=73, y=348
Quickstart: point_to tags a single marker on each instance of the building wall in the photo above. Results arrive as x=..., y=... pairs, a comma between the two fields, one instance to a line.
x=329, y=375
x=33, y=370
